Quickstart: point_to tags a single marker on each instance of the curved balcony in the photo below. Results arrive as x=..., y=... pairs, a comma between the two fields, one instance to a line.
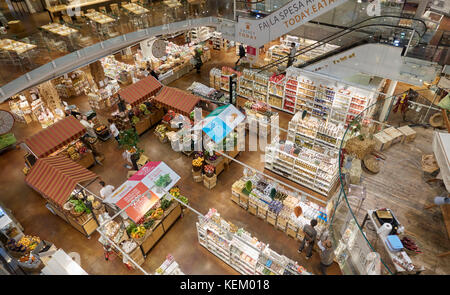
x=400, y=185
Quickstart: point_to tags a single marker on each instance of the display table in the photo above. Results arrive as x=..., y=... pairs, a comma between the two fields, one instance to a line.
x=15, y=46
x=154, y=234
x=85, y=224
x=60, y=30
x=86, y=160
x=392, y=255
x=58, y=9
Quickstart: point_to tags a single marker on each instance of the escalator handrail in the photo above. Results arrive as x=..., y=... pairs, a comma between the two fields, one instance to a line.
x=331, y=38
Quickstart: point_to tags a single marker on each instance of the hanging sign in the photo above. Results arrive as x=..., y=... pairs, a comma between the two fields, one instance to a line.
x=150, y=182
x=257, y=32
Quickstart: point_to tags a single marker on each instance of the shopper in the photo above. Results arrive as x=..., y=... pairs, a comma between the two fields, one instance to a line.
x=89, y=126
x=121, y=104
x=106, y=190
x=198, y=60
x=292, y=54
x=151, y=71
x=114, y=131
x=241, y=54
x=326, y=255
x=309, y=238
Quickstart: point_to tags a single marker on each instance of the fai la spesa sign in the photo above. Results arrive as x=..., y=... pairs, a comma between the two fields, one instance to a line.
x=292, y=15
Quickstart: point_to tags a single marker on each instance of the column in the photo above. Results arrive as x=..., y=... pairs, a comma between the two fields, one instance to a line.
x=388, y=100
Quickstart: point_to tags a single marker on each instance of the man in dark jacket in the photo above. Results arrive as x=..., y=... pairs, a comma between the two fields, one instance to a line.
x=309, y=238
x=241, y=53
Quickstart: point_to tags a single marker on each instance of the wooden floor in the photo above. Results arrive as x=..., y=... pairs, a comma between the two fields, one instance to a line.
x=400, y=186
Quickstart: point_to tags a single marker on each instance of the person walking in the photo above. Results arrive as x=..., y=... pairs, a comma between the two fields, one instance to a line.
x=198, y=60
x=89, y=126
x=114, y=131
x=309, y=238
x=106, y=190
x=326, y=255
x=241, y=54
x=292, y=54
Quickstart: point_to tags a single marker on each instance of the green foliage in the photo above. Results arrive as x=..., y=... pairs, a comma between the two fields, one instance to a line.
x=80, y=206
x=135, y=120
x=129, y=139
x=131, y=227
x=165, y=203
x=248, y=186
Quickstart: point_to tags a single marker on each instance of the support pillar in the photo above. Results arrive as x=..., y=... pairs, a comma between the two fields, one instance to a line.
x=388, y=100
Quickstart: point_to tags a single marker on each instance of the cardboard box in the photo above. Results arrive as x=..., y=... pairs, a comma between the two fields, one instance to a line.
x=396, y=135
x=270, y=219
x=252, y=209
x=408, y=133
x=382, y=141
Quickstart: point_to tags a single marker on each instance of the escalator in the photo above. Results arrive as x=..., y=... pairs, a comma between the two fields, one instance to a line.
x=377, y=46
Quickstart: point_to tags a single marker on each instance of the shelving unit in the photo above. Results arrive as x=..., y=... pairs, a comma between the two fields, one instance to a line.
x=199, y=34
x=217, y=40
x=239, y=249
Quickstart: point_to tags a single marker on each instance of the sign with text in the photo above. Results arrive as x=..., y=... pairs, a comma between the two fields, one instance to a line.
x=289, y=17
x=150, y=182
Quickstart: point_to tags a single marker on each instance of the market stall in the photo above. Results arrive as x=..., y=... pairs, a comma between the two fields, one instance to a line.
x=147, y=201
x=137, y=93
x=61, y=138
x=58, y=180
x=177, y=100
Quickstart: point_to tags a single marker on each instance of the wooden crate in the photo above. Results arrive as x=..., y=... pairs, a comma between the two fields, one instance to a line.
x=252, y=209
x=235, y=195
x=171, y=217
x=137, y=256
x=210, y=182
x=382, y=141
x=292, y=230
x=243, y=201
x=271, y=219
x=197, y=175
x=262, y=213
x=281, y=223
x=408, y=133
x=396, y=135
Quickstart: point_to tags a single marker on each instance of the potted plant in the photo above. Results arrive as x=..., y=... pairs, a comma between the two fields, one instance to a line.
x=247, y=188
x=197, y=164
x=209, y=170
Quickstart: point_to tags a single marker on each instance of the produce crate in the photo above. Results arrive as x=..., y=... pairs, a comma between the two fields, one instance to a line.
x=262, y=213
x=292, y=230
x=396, y=135
x=243, y=201
x=252, y=209
x=271, y=218
x=235, y=196
x=408, y=133
x=209, y=182
x=281, y=223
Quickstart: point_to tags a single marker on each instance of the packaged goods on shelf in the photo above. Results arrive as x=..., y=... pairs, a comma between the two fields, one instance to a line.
x=207, y=92
x=169, y=267
x=239, y=249
x=116, y=70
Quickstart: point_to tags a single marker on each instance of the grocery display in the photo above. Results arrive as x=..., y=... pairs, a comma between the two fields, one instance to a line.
x=239, y=249
x=169, y=267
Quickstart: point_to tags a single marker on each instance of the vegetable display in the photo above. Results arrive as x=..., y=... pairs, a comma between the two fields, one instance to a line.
x=79, y=206
x=165, y=203
x=138, y=232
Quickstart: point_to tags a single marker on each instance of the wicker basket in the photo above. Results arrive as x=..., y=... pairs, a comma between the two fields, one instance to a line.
x=75, y=214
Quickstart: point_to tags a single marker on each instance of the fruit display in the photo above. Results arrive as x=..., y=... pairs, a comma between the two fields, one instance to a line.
x=161, y=130
x=175, y=191
x=100, y=128
x=157, y=214
x=12, y=245
x=30, y=242
x=138, y=232
x=27, y=258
